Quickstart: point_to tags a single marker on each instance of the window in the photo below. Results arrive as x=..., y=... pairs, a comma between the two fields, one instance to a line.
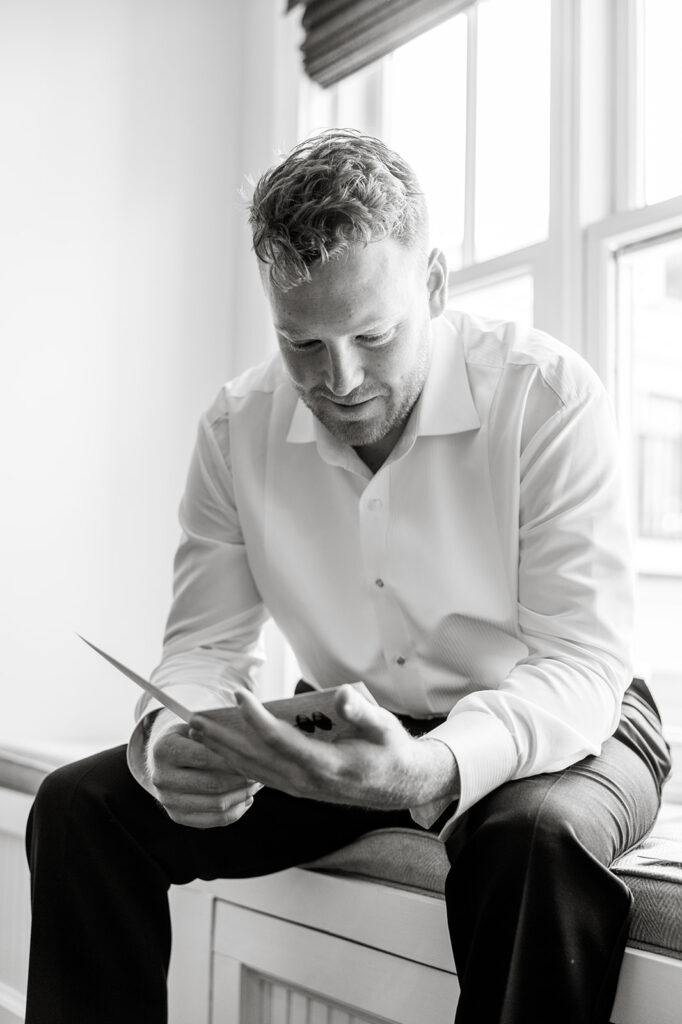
x=434, y=64
x=468, y=104
x=476, y=212
x=512, y=125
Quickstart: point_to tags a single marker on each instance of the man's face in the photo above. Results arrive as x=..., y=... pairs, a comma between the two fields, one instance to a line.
x=356, y=339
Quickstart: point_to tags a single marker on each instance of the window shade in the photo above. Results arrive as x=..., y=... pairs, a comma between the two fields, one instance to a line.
x=342, y=36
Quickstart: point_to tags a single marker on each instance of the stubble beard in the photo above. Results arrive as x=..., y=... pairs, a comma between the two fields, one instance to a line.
x=399, y=403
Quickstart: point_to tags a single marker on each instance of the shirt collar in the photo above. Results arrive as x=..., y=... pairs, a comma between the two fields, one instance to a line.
x=445, y=406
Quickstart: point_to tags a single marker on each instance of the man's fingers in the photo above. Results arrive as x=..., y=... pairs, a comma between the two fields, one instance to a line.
x=269, y=750
x=181, y=751
x=206, y=803
x=206, y=783
x=202, y=817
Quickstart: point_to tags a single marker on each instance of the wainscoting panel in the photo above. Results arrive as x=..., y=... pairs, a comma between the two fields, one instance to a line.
x=271, y=971
x=15, y=926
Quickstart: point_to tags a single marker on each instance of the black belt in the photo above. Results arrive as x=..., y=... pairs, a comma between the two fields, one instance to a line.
x=419, y=726
x=415, y=726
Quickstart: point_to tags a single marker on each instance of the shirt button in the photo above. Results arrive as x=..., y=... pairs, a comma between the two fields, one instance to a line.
x=400, y=660
x=379, y=583
x=375, y=504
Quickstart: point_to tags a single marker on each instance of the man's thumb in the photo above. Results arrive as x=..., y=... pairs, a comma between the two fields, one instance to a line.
x=358, y=711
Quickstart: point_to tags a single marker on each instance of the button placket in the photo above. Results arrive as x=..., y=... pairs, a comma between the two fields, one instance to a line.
x=373, y=514
x=394, y=632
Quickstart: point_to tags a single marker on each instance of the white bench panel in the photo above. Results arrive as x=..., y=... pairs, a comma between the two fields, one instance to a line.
x=407, y=924
x=649, y=989
x=330, y=968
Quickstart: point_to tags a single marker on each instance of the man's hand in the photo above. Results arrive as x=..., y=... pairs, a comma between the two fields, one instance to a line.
x=382, y=766
x=196, y=786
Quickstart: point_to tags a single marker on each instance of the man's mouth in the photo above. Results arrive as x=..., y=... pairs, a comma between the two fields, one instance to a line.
x=351, y=402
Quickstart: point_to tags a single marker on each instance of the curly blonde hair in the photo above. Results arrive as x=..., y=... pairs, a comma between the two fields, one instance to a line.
x=334, y=190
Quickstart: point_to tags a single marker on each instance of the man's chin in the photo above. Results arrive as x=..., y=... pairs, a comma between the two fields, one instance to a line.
x=355, y=433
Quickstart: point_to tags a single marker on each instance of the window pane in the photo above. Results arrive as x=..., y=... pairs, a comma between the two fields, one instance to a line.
x=512, y=125
x=356, y=101
x=425, y=118
x=650, y=301
x=662, y=88
x=510, y=299
x=353, y=102
x=650, y=347
x=659, y=457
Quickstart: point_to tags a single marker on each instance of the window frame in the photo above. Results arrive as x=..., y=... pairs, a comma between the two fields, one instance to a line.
x=603, y=243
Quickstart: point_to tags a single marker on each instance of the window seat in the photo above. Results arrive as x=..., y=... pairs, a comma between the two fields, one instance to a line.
x=652, y=872
x=382, y=893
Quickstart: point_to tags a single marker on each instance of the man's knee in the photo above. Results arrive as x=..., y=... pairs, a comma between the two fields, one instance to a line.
x=78, y=786
x=517, y=824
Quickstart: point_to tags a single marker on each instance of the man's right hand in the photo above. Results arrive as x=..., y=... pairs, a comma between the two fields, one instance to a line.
x=195, y=786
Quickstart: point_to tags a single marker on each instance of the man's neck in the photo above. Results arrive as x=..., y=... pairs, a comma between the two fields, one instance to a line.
x=375, y=454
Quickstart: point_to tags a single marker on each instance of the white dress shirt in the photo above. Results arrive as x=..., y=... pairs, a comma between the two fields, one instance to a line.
x=483, y=573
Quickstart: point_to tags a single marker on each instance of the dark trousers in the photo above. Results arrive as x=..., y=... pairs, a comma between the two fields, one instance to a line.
x=538, y=923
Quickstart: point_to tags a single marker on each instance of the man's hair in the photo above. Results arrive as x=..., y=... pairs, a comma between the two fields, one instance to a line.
x=334, y=190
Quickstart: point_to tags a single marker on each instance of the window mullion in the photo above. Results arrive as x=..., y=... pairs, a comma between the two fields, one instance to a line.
x=559, y=298
x=470, y=151
x=627, y=176
x=509, y=264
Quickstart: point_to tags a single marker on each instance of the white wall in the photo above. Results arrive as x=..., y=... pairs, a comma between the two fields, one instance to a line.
x=128, y=295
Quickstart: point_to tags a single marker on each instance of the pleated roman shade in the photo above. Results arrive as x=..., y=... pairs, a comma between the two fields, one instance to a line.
x=342, y=36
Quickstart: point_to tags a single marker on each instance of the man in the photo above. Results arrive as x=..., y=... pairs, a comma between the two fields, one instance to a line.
x=430, y=504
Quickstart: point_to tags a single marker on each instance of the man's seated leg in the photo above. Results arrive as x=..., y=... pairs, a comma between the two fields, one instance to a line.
x=103, y=853
x=537, y=921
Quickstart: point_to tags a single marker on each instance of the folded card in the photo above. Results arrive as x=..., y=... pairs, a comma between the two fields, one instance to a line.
x=313, y=713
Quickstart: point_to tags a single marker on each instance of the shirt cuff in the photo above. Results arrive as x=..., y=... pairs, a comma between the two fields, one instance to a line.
x=486, y=757
x=194, y=697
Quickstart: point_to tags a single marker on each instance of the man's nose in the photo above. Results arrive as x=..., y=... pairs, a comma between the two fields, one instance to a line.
x=344, y=370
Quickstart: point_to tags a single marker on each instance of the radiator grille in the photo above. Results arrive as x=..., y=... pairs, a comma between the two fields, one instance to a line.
x=271, y=1001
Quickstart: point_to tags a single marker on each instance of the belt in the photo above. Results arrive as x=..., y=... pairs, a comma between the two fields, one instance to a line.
x=415, y=726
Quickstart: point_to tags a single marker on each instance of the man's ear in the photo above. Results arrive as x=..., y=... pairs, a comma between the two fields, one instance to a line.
x=437, y=282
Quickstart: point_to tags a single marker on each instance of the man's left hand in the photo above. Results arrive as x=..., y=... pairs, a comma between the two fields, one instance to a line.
x=381, y=766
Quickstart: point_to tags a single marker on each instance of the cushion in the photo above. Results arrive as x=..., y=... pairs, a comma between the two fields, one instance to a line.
x=653, y=872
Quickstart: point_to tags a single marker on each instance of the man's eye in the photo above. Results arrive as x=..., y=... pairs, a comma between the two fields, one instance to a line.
x=302, y=346
x=375, y=338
